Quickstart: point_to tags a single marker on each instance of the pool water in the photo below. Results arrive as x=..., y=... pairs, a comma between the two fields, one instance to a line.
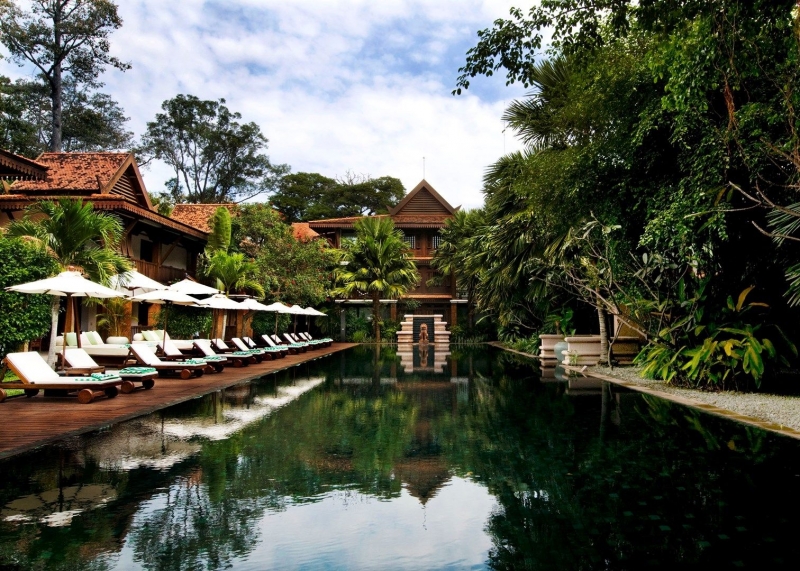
x=383, y=460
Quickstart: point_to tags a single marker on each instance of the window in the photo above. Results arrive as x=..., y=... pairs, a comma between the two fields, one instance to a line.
x=411, y=241
x=437, y=240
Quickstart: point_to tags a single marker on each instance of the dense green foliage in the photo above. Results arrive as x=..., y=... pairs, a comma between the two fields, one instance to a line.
x=215, y=158
x=24, y=317
x=311, y=196
x=91, y=120
x=661, y=148
x=377, y=265
x=290, y=270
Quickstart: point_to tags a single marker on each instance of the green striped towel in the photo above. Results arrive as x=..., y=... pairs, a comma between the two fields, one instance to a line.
x=105, y=377
x=138, y=371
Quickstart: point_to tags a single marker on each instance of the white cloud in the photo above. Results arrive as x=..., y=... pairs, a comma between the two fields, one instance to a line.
x=335, y=85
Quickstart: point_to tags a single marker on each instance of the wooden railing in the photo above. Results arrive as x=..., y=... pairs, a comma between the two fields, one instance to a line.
x=163, y=274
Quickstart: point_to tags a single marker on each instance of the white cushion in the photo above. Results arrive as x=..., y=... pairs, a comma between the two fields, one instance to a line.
x=95, y=338
x=146, y=354
x=31, y=367
x=79, y=358
x=150, y=336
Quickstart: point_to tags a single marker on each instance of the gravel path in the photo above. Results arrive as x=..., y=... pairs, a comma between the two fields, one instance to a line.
x=777, y=409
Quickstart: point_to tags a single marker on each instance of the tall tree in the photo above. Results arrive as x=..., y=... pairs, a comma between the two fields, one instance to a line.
x=312, y=196
x=61, y=38
x=215, y=158
x=75, y=236
x=376, y=264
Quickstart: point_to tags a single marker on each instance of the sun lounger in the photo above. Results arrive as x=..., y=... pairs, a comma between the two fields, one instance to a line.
x=203, y=346
x=276, y=352
x=145, y=356
x=168, y=351
x=276, y=342
x=220, y=346
x=259, y=354
x=35, y=374
x=80, y=362
x=310, y=342
x=277, y=347
x=292, y=343
x=326, y=340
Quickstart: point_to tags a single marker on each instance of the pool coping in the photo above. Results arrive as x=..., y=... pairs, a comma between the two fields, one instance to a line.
x=701, y=406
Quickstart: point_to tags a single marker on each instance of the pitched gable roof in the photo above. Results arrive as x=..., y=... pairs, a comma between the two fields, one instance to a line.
x=84, y=174
x=199, y=215
x=423, y=200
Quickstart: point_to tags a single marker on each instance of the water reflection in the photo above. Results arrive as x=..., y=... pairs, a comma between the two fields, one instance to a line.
x=371, y=460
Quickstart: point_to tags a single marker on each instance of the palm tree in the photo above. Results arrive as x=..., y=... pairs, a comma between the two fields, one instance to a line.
x=75, y=236
x=232, y=273
x=377, y=264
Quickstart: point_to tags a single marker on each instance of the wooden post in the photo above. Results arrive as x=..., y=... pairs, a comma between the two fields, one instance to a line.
x=453, y=314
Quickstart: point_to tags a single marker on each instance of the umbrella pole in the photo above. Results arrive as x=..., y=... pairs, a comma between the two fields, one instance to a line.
x=276, y=323
x=64, y=344
x=166, y=315
x=77, y=324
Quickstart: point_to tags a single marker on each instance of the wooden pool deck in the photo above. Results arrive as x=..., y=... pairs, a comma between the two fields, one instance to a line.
x=28, y=423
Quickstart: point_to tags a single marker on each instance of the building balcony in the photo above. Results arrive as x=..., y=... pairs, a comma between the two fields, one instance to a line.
x=163, y=274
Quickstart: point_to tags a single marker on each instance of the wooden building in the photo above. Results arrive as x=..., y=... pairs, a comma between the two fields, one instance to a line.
x=160, y=247
x=420, y=216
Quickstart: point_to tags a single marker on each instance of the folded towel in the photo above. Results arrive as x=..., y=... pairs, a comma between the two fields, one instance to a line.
x=138, y=371
x=194, y=361
x=105, y=376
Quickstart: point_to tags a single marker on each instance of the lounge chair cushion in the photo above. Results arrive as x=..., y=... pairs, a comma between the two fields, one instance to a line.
x=94, y=338
x=150, y=336
x=31, y=367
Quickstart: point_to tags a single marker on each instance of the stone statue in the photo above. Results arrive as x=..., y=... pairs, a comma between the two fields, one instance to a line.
x=423, y=334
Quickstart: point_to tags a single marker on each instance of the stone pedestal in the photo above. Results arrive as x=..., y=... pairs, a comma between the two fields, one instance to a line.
x=437, y=330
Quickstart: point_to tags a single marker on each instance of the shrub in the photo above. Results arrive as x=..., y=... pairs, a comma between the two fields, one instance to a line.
x=24, y=316
x=185, y=322
x=708, y=346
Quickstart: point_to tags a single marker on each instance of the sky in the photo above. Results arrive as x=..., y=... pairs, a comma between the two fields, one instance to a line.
x=341, y=85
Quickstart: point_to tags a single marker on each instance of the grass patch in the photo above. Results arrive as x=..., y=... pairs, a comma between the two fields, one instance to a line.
x=9, y=376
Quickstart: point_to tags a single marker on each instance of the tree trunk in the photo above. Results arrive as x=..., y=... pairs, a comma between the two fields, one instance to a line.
x=55, y=305
x=56, y=84
x=376, y=317
x=601, y=317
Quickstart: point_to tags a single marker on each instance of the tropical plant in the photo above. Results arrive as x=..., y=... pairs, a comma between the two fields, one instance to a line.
x=74, y=235
x=708, y=346
x=376, y=264
x=232, y=273
x=114, y=317
x=184, y=322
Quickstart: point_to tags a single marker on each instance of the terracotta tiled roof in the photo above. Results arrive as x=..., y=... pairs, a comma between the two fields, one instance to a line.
x=402, y=220
x=81, y=172
x=303, y=232
x=198, y=215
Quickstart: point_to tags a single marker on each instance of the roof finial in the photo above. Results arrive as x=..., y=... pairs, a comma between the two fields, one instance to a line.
x=423, y=168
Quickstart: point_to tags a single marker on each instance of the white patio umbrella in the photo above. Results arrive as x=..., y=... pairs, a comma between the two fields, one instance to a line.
x=193, y=288
x=311, y=312
x=278, y=307
x=251, y=305
x=296, y=310
x=167, y=297
x=134, y=283
x=222, y=302
x=70, y=284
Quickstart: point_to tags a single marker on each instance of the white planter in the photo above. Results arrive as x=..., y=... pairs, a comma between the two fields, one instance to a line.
x=547, y=347
x=117, y=340
x=586, y=346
